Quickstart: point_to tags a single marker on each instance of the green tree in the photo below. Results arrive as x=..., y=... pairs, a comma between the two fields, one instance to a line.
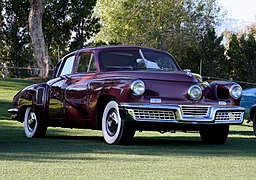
x=152, y=21
x=40, y=48
x=15, y=39
x=206, y=56
x=247, y=65
x=241, y=55
x=171, y=25
x=137, y=22
x=242, y=58
x=235, y=56
x=68, y=25
x=214, y=62
x=252, y=29
x=62, y=18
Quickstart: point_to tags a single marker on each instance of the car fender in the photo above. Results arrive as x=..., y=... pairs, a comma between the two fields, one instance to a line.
x=34, y=96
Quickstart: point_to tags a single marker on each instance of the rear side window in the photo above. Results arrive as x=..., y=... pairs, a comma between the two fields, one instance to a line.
x=86, y=63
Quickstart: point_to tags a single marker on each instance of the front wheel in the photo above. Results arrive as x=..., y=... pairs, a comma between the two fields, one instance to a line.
x=115, y=131
x=33, y=126
x=214, y=134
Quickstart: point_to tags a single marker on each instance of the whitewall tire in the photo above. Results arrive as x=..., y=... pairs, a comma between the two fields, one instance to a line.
x=32, y=125
x=115, y=131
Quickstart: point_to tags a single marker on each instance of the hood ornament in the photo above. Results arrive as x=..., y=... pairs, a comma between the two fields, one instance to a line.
x=188, y=71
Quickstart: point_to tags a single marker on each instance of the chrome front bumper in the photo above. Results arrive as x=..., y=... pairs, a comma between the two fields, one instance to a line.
x=188, y=114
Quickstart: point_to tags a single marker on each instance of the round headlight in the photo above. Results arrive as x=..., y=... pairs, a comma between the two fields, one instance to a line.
x=138, y=87
x=235, y=91
x=195, y=92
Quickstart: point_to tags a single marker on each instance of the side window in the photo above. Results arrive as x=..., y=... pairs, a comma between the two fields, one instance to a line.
x=67, y=66
x=86, y=63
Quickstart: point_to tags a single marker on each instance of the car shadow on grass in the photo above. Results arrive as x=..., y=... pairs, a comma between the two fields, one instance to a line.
x=58, y=146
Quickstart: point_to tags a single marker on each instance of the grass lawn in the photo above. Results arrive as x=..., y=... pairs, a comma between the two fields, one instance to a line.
x=8, y=88
x=83, y=154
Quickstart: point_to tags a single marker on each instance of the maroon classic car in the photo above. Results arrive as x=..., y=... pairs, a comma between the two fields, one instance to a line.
x=122, y=89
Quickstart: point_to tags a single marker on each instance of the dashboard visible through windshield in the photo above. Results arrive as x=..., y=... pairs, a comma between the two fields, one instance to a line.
x=136, y=60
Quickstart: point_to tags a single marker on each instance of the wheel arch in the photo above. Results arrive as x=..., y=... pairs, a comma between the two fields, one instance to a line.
x=252, y=112
x=22, y=112
x=101, y=103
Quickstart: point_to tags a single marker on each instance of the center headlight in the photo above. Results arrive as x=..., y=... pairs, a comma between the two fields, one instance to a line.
x=235, y=91
x=138, y=87
x=195, y=92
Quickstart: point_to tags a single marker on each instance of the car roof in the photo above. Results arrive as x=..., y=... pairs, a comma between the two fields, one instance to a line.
x=102, y=48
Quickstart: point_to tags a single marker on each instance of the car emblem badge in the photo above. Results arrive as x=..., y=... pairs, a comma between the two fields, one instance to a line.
x=222, y=103
x=155, y=100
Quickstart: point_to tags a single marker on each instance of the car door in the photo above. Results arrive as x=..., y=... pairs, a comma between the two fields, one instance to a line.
x=76, y=90
x=57, y=89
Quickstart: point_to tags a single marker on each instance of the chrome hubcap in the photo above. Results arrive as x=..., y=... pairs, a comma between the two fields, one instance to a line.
x=31, y=121
x=112, y=122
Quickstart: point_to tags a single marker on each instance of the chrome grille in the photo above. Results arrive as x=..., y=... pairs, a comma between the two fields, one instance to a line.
x=195, y=111
x=228, y=116
x=146, y=114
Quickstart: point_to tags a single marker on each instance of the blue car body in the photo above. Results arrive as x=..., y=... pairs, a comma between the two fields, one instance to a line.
x=248, y=101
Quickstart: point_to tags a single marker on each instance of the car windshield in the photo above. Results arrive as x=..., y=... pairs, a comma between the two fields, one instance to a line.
x=136, y=60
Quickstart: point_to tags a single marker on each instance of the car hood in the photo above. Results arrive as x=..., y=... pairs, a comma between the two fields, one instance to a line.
x=177, y=76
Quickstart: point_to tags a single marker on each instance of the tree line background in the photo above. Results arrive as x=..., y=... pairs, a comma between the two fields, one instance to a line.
x=185, y=28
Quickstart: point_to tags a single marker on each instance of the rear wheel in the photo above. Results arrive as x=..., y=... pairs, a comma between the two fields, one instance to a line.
x=33, y=125
x=115, y=131
x=214, y=134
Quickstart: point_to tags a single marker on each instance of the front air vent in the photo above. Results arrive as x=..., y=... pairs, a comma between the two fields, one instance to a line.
x=39, y=96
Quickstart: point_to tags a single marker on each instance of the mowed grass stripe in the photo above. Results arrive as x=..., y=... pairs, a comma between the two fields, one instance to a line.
x=83, y=154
